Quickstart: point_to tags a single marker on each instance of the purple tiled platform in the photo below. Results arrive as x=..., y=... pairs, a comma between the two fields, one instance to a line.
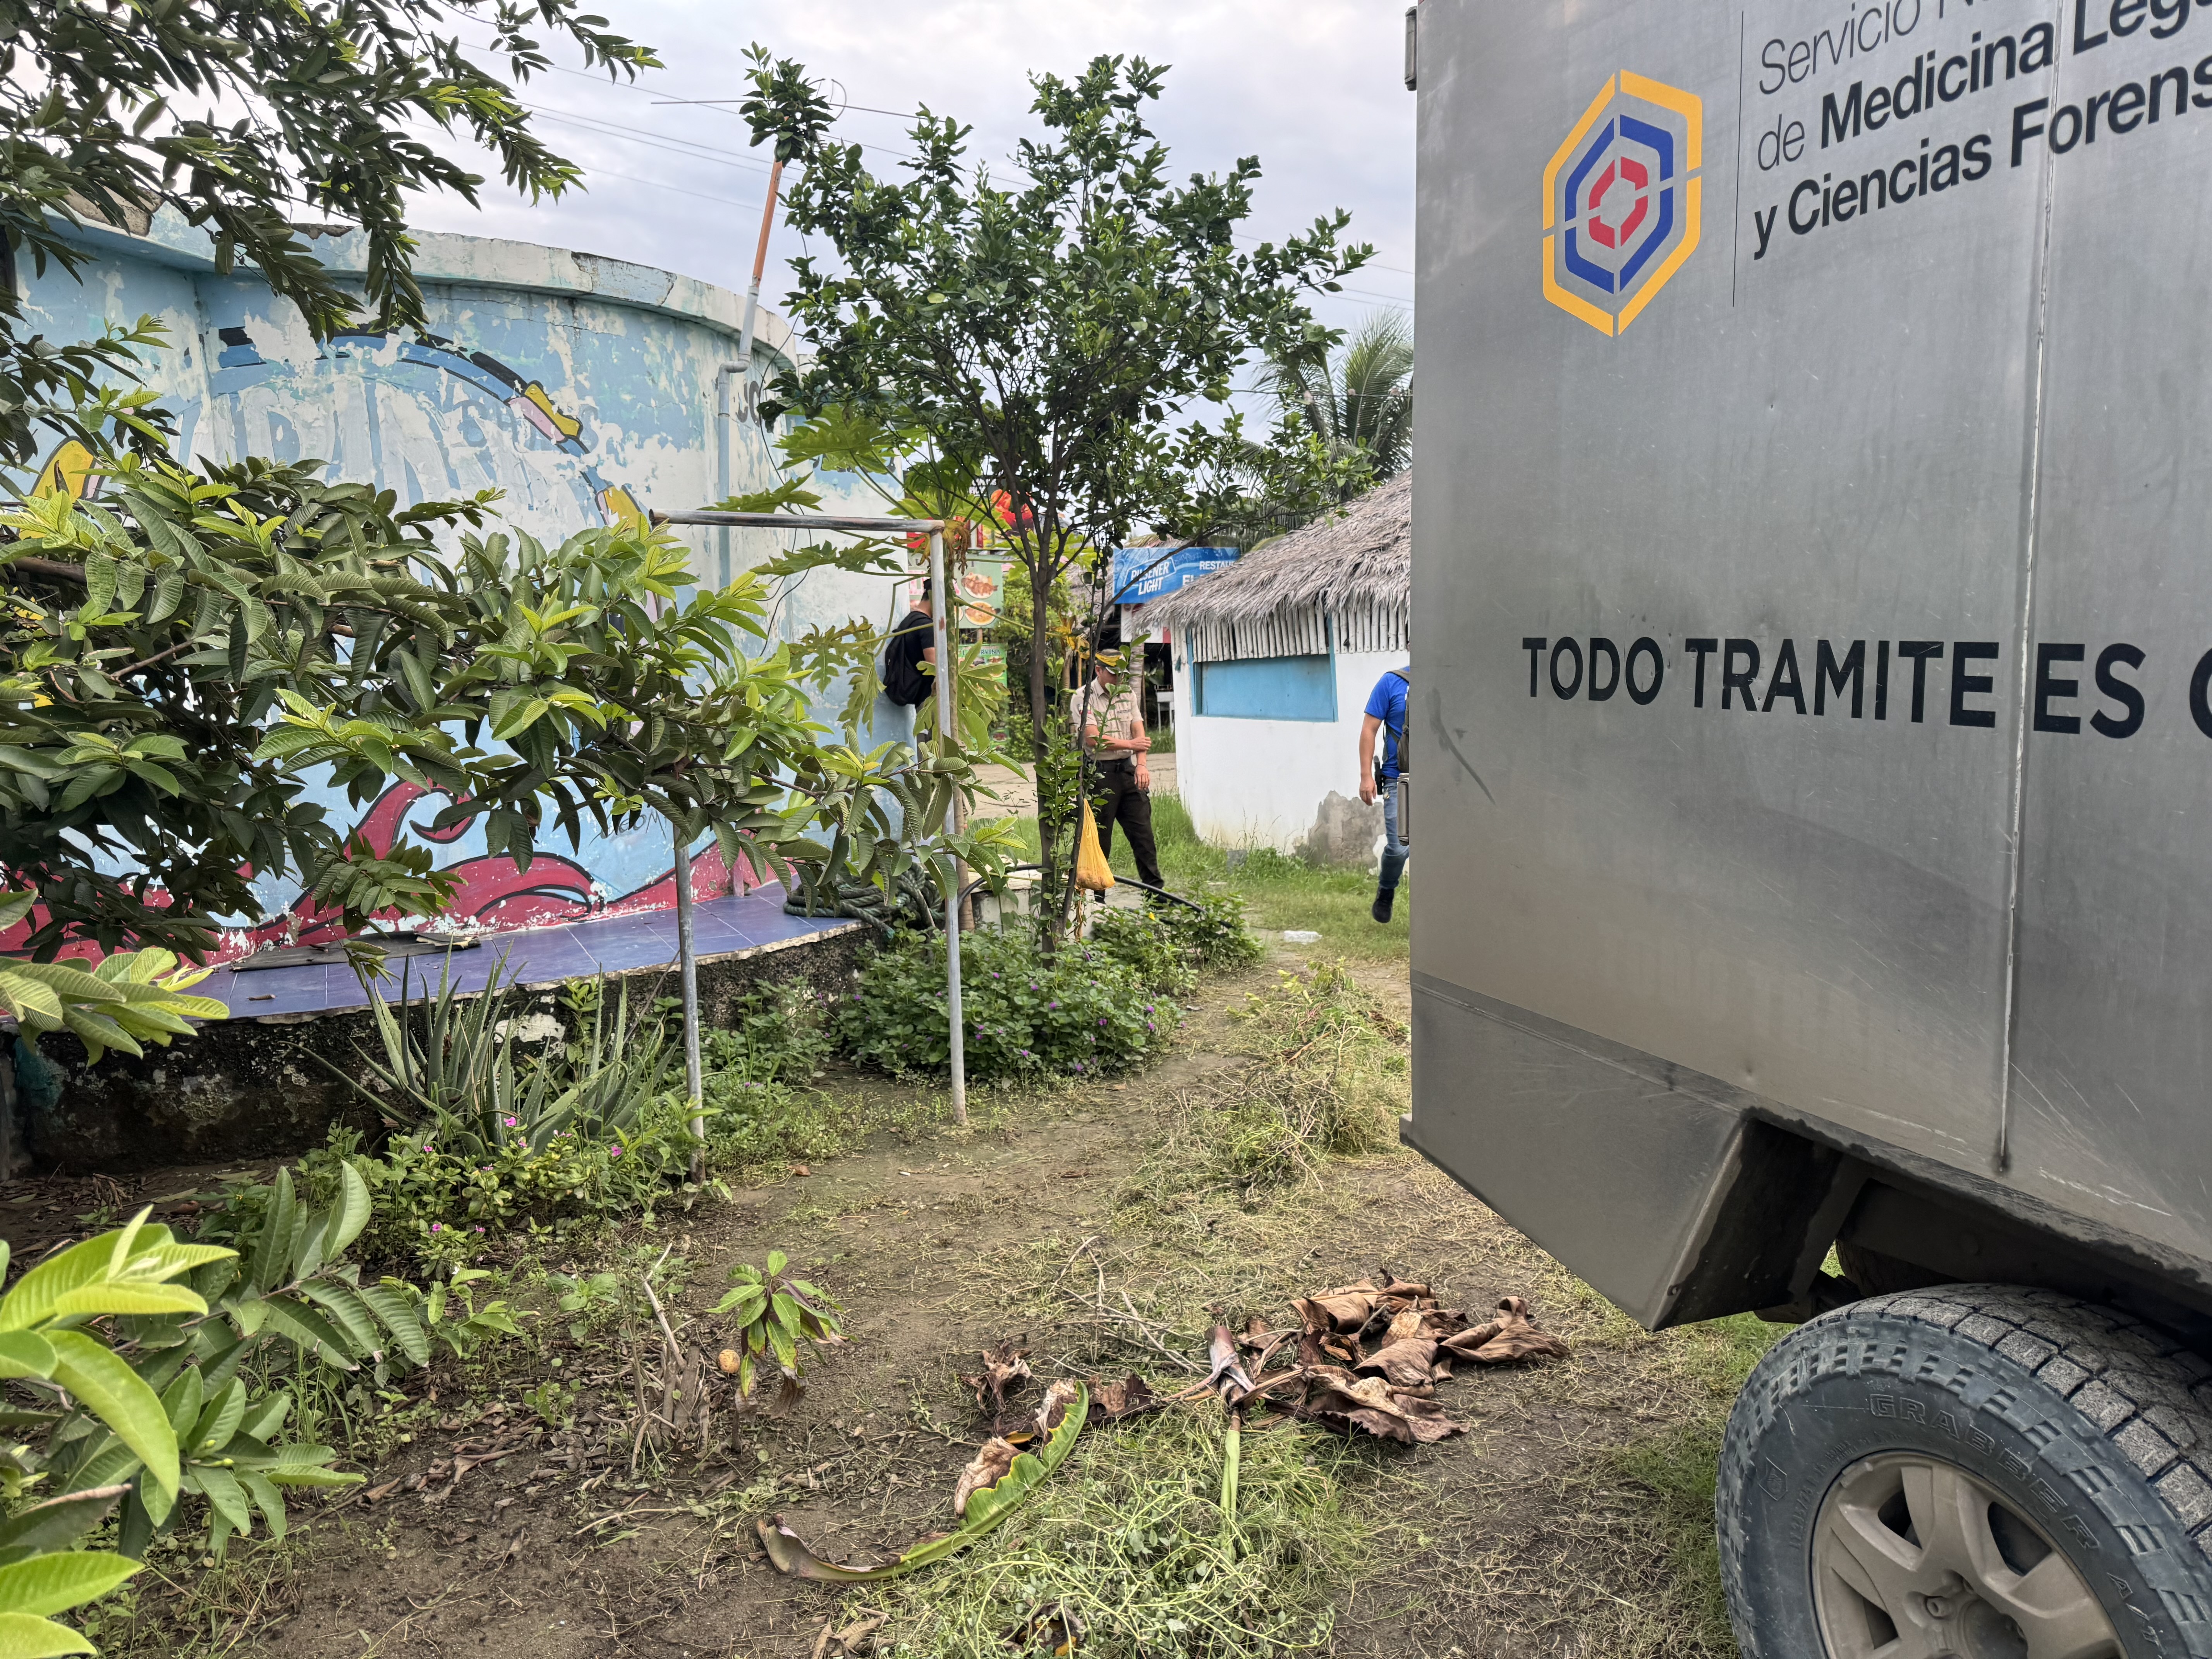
x=537, y=955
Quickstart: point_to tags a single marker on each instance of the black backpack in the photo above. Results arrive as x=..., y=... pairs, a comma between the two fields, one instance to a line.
x=903, y=681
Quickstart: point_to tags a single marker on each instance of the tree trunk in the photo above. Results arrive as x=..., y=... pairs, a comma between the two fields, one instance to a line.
x=1040, y=713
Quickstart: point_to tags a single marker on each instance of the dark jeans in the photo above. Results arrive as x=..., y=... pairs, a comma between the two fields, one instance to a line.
x=1116, y=798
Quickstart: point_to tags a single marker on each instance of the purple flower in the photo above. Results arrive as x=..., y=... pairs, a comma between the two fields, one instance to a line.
x=1102, y=1019
x=615, y=1150
x=509, y=1122
x=437, y=1226
x=1149, y=1026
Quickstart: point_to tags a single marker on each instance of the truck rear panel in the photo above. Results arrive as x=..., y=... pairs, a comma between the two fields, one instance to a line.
x=1813, y=627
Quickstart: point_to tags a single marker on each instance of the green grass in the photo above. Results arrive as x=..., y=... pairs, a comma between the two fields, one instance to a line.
x=1678, y=1467
x=1279, y=893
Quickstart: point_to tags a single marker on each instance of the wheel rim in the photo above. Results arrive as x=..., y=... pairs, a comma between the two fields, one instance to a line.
x=1915, y=1558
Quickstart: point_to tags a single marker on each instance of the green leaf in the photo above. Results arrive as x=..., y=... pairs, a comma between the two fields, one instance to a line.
x=58, y=1522
x=25, y=1353
x=54, y=1583
x=348, y=1315
x=182, y=1399
x=400, y=1317
x=219, y=1421
x=225, y=1497
x=267, y=1499
x=118, y=1396
x=351, y=1214
x=309, y=1331
x=24, y=1637
x=274, y=1251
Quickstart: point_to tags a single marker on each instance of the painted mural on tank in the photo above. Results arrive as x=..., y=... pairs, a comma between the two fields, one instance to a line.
x=582, y=388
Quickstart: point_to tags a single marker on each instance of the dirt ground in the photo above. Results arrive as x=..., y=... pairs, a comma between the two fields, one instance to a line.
x=1520, y=1537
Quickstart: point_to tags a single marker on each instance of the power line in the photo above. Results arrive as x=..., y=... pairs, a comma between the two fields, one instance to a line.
x=678, y=146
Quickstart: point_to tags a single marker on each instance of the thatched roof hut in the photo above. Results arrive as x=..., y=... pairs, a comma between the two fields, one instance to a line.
x=1349, y=573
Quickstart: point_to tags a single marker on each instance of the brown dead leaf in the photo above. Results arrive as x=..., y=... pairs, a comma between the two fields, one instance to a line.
x=989, y=1468
x=1057, y=1399
x=1335, y=1397
x=1123, y=1398
x=1227, y=1375
x=853, y=1640
x=1407, y=1362
x=1512, y=1335
x=1005, y=1368
x=1346, y=1309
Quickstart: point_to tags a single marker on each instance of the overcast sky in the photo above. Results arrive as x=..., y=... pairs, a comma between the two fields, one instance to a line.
x=1314, y=88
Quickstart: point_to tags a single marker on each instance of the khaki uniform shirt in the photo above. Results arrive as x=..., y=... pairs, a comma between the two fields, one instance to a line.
x=1116, y=715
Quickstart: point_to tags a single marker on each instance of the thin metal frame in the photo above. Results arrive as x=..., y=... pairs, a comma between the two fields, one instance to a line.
x=939, y=616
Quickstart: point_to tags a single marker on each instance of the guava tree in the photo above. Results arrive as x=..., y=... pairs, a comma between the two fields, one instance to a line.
x=1056, y=334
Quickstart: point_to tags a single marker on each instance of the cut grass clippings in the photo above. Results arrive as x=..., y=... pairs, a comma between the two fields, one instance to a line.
x=1328, y=1078
x=1131, y=1541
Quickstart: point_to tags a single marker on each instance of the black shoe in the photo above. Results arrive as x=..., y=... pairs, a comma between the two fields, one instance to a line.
x=1385, y=899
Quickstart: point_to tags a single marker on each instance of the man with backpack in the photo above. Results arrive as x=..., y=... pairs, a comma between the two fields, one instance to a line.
x=1386, y=713
x=913, y=643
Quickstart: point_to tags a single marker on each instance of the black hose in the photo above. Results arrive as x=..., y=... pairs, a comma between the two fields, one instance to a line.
x=969, y=890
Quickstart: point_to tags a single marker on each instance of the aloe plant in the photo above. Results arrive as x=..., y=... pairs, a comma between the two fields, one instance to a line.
x=460, y=1078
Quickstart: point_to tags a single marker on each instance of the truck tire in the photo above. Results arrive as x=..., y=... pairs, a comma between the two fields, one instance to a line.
x=1977, y=1470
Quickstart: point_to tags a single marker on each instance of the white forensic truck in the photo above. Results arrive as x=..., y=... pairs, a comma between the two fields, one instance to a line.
x=1813, y=674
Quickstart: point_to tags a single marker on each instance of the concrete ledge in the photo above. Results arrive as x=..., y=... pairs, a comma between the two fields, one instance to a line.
x=264, y=1086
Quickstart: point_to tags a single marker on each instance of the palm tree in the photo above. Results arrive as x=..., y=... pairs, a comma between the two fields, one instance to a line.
x=1359, y=399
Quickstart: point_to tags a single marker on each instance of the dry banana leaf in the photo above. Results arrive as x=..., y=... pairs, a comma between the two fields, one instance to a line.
x=989, y=1468
x=1513, y=1335
x=1124, y=1398
x=982, y=1508
x=1409, y=1362
x=1338, y=1399
x=1005, y=1368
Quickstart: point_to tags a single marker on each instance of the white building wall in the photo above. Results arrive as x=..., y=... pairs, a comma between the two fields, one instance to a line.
x=1256, y=783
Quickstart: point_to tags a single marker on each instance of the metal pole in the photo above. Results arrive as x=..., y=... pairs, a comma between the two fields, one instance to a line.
x=724, y=484
x=941, y=608
x=687, y=969
x=752, y=294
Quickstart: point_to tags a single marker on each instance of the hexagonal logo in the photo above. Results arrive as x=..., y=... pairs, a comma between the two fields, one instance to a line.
x=1621, y=201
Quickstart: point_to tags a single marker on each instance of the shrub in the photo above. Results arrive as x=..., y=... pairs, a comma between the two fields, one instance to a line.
x=1077, y=1013
x=1216, y=932
x=778, y=1034
x=1149, y=944
x=438, y=1204
x=750, y=1125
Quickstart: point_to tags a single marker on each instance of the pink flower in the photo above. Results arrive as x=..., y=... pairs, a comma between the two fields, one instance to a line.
x=615, y=1152
x=509, y=1122
x=437, y=1226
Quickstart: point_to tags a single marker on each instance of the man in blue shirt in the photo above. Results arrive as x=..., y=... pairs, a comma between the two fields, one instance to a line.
x=1386, y=713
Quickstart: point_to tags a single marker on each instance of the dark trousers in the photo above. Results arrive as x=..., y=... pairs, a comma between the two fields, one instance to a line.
x=1116, y=798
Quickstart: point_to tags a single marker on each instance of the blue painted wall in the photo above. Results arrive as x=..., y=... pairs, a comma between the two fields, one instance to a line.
x=582, y=387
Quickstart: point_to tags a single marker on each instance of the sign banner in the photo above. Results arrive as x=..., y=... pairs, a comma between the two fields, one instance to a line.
x=1151, y=573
